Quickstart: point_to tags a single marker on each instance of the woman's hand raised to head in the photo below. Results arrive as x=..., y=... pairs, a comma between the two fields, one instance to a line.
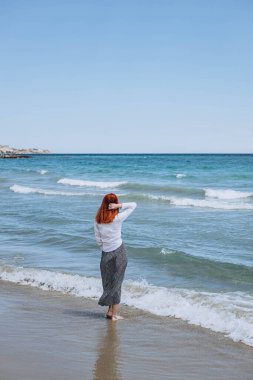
x=114, y=206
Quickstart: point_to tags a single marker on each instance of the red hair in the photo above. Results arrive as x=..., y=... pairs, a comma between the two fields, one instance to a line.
x=104, y=215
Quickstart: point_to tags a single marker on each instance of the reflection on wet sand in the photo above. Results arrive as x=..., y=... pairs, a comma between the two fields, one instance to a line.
x=106, y=366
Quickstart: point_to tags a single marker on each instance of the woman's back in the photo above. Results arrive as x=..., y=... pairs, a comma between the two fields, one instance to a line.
x=108, y=235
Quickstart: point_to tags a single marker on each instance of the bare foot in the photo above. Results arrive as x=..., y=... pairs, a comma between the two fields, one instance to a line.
x=109, y=313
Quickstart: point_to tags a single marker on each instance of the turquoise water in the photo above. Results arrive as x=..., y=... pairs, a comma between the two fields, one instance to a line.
x=189, y=241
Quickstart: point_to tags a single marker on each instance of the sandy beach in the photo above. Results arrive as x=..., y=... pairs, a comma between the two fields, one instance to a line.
x=47, y=335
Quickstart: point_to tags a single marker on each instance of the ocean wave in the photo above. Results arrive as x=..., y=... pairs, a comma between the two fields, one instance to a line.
x=185, y=265
x=180, y=175
x=156, y=197
x=230, y=313
x=165, y=188
x=42, y=172
x=198, y=203
x=101, y=185
x=191, y=196
x=33, y=190
x=205, y=203
x=227, y=194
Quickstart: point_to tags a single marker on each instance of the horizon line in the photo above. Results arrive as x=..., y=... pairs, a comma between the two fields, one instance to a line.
x=147, y=153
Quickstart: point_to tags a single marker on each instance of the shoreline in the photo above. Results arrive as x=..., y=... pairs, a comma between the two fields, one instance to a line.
x=46, y=334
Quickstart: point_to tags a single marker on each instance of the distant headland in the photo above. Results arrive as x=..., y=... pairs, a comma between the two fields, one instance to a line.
x=8, y=152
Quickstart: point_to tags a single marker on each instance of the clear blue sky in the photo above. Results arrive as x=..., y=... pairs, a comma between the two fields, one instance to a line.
x=127, y=76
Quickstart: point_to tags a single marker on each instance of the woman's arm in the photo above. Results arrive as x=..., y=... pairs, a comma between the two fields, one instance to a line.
x=97, y=235
x=128, y=209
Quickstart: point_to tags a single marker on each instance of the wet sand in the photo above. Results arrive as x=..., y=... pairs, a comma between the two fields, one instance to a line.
x=47, y=335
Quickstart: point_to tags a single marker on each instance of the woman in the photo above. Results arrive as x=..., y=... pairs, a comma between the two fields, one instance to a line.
x=113, y=260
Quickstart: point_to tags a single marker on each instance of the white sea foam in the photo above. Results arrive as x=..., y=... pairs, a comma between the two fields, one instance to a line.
x=179, y=175
x=66, y=283
x=227, y=194
x=42, y=171
x=201, y=203
x=230, y=313
x=166, y=251
x=157, y=197
x=101, y=185
x=214, y=204
x=34, y=190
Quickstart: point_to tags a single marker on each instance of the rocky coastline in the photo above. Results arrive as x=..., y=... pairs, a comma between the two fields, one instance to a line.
x=9, y=152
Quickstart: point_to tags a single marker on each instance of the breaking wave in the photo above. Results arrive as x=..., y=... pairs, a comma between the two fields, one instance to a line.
x=205, y=203
x=34, y=190
x=179, y=175
x=227, y=194
x=200, y=203
x=42, y=172
x=230, y=312
x=101, y=185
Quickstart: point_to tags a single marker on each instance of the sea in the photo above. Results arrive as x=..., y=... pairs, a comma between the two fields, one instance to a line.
x=189, y=241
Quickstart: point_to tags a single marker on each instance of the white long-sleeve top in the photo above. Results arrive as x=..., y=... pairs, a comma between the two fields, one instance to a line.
x=108, y=235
